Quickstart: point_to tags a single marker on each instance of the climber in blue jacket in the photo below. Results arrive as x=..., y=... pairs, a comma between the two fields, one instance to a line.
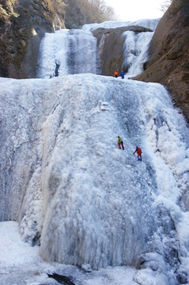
x=122, y=74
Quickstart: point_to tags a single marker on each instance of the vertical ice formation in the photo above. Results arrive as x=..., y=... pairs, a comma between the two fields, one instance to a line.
x=96, y=197
x=90, y=198
x=62, y=175
x=64, y=178
x=53, y=51
x=20, y=132
x=23, y=111
x=67, y=52
x=82, y=52
x=135, y=51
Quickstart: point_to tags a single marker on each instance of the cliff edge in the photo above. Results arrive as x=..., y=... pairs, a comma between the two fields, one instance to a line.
x=169, y=55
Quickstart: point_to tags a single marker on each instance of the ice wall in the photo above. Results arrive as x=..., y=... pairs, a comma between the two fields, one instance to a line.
x=21, y=118
x=64, y=178
x=67, y=52
x=68, y=174
x=53, y=52
x=96, y=196
x=135, y=52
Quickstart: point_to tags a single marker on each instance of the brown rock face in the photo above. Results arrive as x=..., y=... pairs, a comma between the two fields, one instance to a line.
x=110, y=47
x=20, y=36
x=169, y=55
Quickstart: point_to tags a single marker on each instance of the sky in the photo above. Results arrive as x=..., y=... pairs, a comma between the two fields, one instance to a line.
x=131, y=10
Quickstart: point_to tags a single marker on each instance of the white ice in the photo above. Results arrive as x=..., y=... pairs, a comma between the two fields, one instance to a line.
x=135, y=52
x=147, y=23
x=94, y=197
x=53, y=50
x=78, y=200
x=73, y=50
x=20, y=264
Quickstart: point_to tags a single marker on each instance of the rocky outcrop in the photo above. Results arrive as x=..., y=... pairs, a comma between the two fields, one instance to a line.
x=110, y=47
x=20, y=36
x=169, y=55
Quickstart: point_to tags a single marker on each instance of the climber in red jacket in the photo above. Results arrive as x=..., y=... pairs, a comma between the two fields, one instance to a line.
x=139, y=153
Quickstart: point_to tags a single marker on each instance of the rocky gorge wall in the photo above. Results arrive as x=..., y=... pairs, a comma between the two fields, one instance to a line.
x=20, y=36
x=169, y=55
x=110, y=47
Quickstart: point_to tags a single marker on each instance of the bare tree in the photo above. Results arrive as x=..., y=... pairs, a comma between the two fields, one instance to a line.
x=165, y=5
x=107, y=12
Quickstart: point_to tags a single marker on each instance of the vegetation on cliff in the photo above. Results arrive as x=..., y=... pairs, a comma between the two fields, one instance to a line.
x=80, y=12
x=23, y=24
x=7, y=10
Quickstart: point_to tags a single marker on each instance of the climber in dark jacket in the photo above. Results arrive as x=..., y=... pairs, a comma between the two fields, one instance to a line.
x=56, y=73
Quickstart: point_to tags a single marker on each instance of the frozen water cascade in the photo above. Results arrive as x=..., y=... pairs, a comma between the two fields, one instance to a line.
x=78, y=180
x=135, y=52
x=55, y=53
x=87, y=197
x=82, y=55
x=75, y=195
x=72, y=51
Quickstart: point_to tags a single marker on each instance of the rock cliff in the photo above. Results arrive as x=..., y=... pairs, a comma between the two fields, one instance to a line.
x=110, y=47
x=20, y=36
x=169, y=55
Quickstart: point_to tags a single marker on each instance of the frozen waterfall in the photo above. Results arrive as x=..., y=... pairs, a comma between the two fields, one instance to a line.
x=67, y=52
x=66, y=180
x=82, y=200
x=135, y=52
x=75, y=51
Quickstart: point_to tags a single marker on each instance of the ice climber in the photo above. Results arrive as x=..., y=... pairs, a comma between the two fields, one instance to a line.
x=122, y=75
x=56, y=70
x=139, y=153
x=116, y=73
x=120, y=142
